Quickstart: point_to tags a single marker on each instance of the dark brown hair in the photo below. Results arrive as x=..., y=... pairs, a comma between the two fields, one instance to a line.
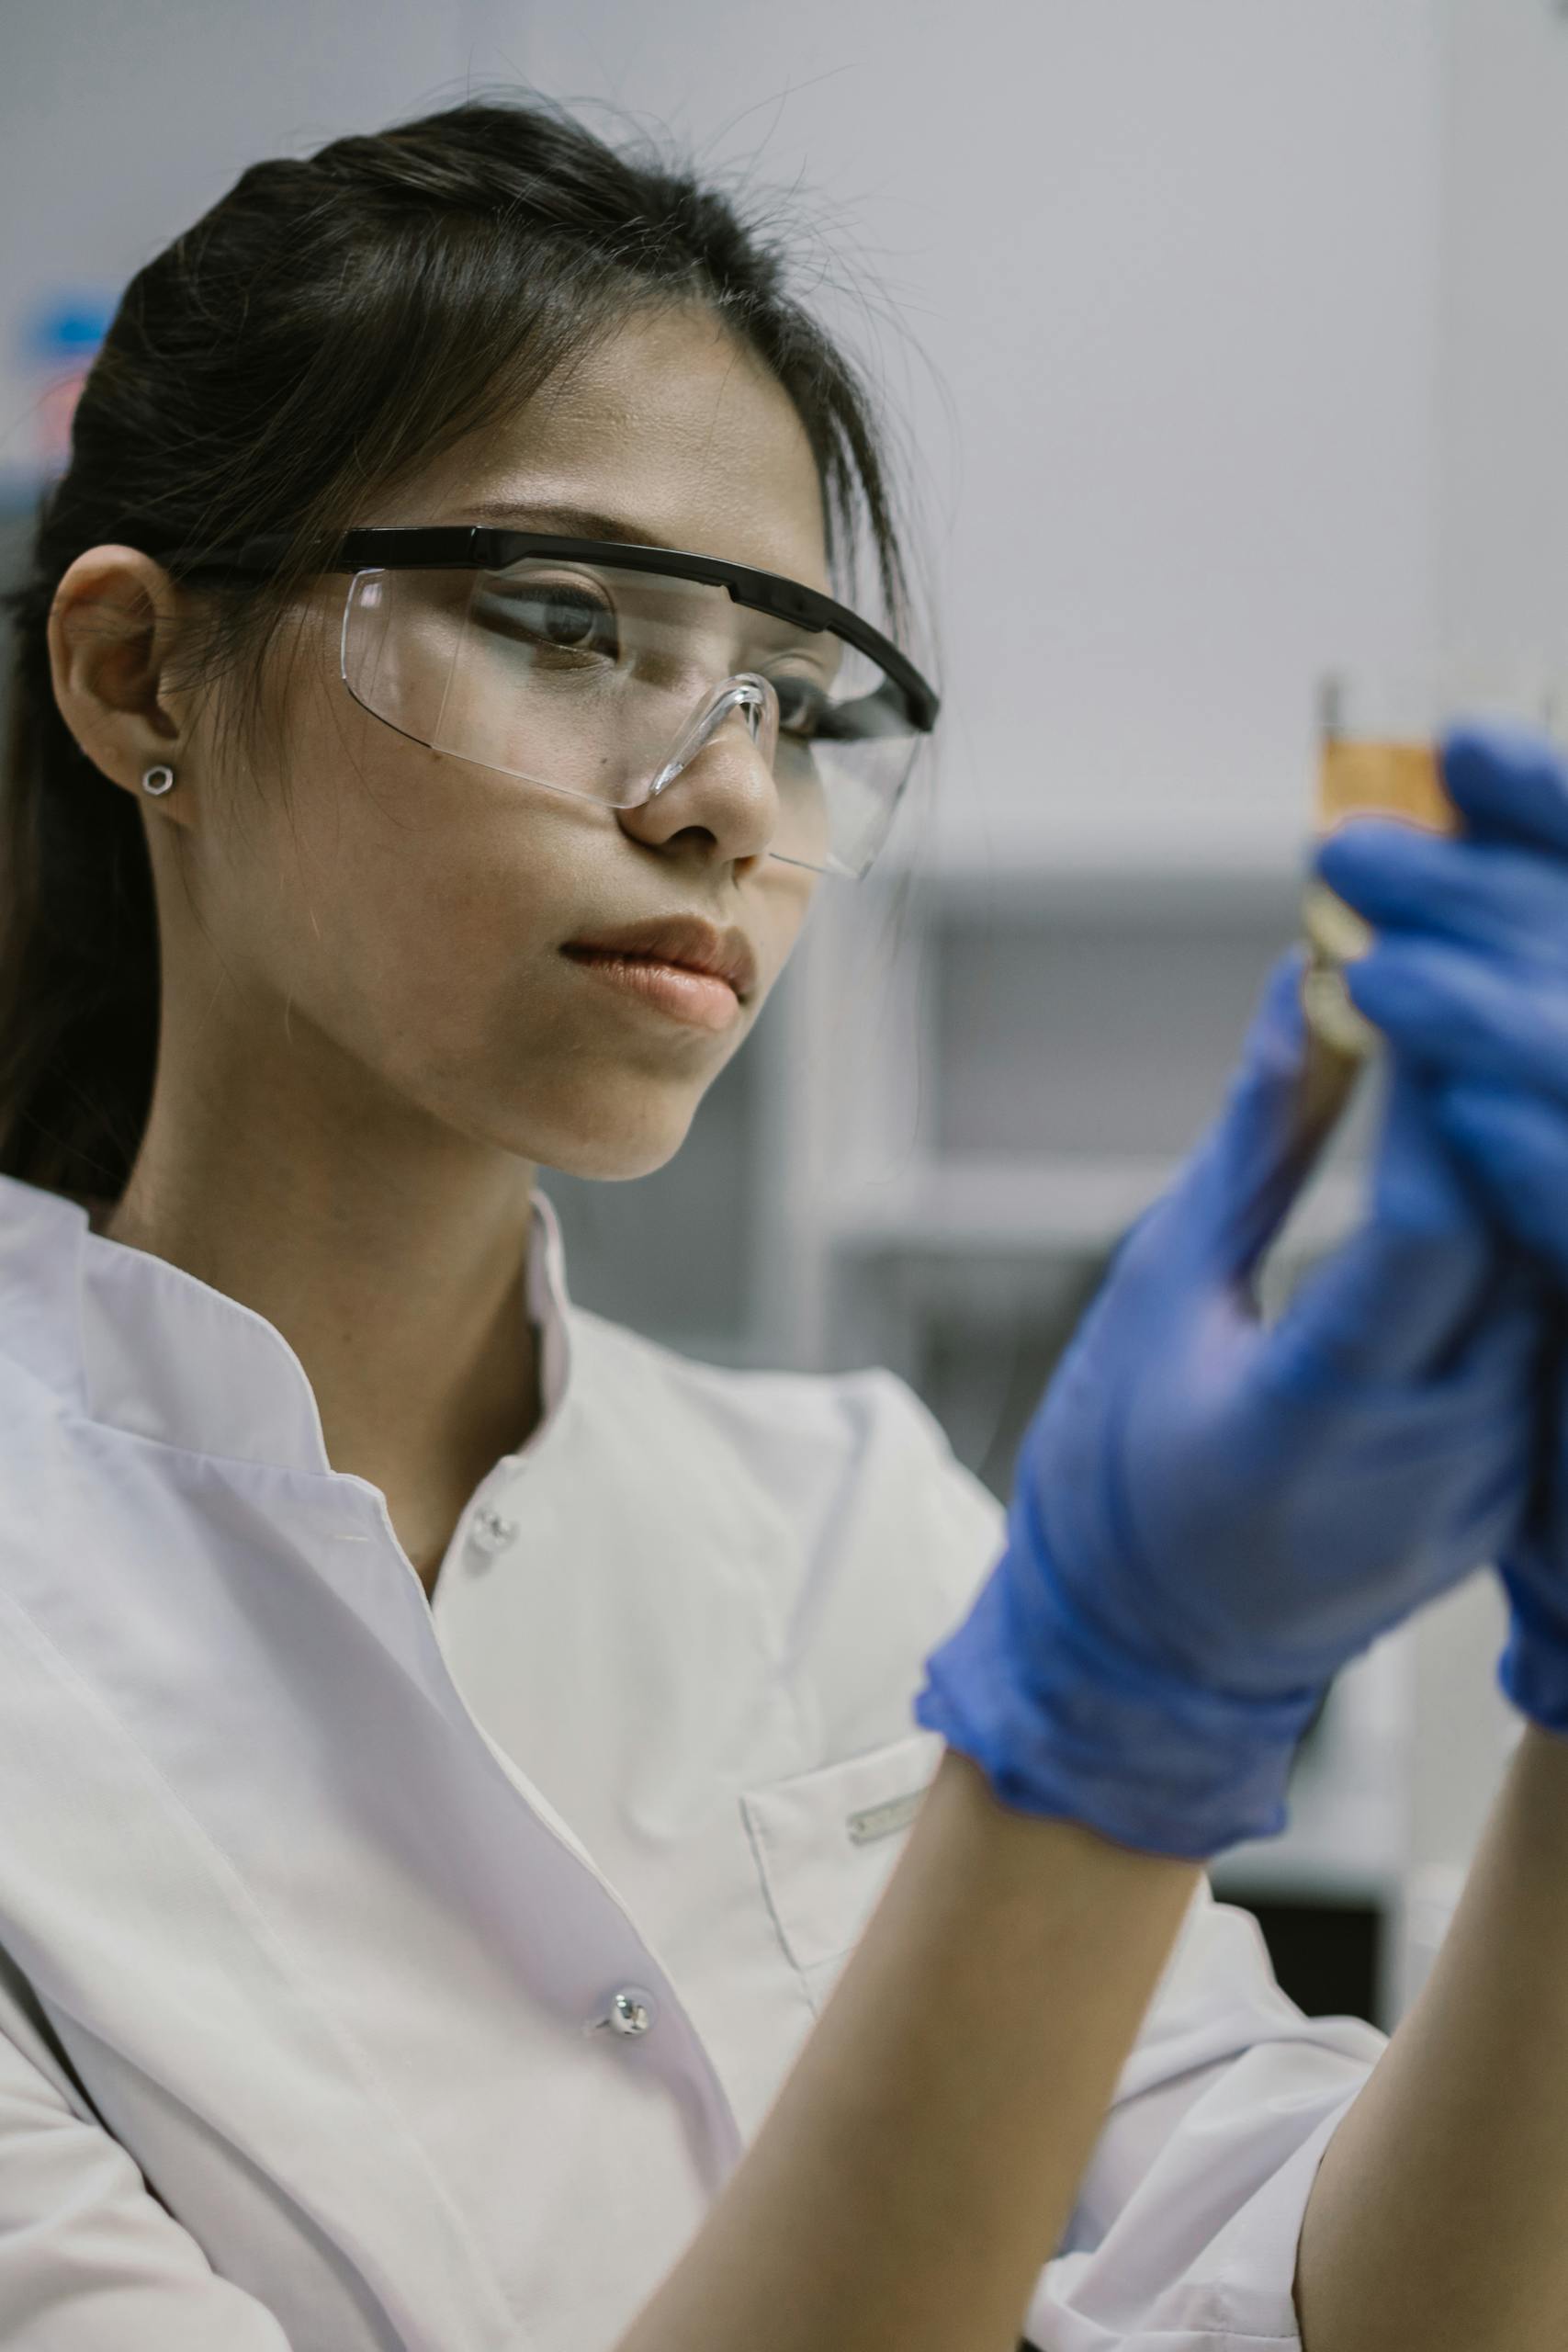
x=328, y=328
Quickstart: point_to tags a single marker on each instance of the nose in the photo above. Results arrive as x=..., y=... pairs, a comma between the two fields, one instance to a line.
x=722, y=786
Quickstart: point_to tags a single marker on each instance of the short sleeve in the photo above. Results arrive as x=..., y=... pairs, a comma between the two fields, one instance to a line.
x=89, y=2260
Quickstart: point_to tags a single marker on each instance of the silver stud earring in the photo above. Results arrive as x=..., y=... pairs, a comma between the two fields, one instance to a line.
x=157, y=779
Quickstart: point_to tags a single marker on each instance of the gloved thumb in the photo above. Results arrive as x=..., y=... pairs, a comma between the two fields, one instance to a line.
x=1236, y=1189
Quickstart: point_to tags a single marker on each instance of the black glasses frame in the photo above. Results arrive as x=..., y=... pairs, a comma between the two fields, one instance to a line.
x=473, y=546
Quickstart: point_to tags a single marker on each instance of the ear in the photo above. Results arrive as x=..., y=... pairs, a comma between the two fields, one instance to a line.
x=112, y=631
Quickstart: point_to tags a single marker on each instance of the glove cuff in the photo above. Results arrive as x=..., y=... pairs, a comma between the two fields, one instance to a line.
x=1061, y=1726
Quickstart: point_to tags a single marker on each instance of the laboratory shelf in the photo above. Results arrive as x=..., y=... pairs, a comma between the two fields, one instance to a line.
x=1050, y=1202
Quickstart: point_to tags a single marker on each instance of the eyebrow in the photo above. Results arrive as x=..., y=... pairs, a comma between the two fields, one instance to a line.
x=572, y=522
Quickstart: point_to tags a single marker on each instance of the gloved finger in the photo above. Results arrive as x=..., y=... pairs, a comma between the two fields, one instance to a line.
x=1508, y=782
x=1516, y=1146
x=1465, y=1013
x=1485, y=894
x=1401, y=1298
x=1237, y=1188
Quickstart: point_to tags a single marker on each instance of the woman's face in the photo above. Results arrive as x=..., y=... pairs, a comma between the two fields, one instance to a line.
x=408, y=920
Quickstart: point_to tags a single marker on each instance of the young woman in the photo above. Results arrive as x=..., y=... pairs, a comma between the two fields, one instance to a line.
x=454, y=1746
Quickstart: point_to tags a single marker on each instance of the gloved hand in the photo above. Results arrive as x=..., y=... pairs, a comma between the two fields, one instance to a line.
x=1209, y=1516
x=1469, y=976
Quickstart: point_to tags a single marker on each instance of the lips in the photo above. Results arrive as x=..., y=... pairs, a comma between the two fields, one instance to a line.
x=688, y=941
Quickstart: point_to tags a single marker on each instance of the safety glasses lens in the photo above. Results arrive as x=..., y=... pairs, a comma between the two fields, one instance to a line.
x=589, y=679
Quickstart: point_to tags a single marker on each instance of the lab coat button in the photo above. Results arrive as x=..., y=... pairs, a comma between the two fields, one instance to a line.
x=490, y=1533
x=631, y=2011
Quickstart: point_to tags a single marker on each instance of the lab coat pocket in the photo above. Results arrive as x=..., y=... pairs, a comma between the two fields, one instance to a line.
x=826, y=1842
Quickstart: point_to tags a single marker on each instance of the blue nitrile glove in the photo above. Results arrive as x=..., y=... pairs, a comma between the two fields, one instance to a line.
x=1211, y=1515
x=1469, y=974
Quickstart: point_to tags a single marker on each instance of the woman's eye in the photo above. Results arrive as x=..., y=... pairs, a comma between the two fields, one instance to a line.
x=801, y=704
x=571, y=619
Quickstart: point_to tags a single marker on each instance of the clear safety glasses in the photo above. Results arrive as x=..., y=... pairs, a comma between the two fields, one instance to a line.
x=604, y=670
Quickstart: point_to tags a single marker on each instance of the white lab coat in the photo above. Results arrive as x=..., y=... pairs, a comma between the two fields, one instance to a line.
x=314, y=1894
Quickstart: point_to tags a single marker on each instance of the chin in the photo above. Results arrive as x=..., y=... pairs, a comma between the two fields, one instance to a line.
x=615, y=1155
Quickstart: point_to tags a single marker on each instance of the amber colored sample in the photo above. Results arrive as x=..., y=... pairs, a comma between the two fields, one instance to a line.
x=1367, y=779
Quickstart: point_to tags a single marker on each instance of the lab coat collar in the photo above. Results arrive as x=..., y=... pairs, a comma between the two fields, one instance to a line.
x=138, y=1344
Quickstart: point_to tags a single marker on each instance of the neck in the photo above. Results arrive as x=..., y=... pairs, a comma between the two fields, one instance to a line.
x=411, y=1331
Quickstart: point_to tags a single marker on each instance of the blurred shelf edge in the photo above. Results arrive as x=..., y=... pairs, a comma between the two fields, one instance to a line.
x=1053, y=1205
x=1213, y=869
x=1343, y=1843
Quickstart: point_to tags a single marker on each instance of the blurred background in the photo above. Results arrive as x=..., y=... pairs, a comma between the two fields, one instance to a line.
x=1229, y=351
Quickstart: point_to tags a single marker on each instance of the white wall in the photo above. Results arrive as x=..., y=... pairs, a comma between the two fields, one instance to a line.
x=1176, y=267
x=1503, y=355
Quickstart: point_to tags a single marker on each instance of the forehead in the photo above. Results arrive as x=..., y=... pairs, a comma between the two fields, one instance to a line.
x=670, y=430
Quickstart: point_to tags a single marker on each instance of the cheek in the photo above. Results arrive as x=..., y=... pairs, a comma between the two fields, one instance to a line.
x=414, y=909
x=451, y=938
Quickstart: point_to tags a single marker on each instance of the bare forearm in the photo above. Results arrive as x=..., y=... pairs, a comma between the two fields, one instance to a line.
x=1439, y=2214
x=922, y=2160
